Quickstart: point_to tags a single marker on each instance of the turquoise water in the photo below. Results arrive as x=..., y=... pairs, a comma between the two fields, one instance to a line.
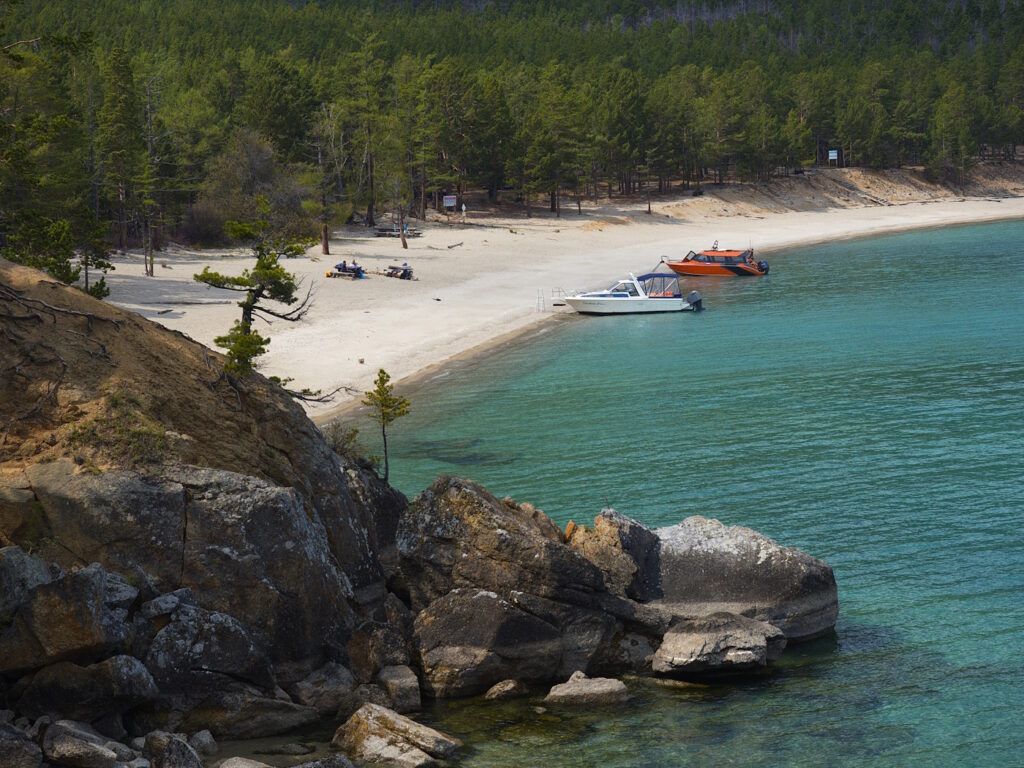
x=864, y=402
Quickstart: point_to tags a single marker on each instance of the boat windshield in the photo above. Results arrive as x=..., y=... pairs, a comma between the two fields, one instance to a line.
x=624, y=286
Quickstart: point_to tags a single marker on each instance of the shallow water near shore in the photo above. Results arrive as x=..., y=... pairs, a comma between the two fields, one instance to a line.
x=864, y=402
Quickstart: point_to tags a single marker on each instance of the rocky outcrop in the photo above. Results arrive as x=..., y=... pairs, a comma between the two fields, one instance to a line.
x=719, y=644
x=375, y=734
x=500, y=595
x=706, y=566
x=242, y=544
x=580, y=689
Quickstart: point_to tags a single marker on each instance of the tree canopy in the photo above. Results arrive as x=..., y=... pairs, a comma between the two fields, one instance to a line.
x=172, y=117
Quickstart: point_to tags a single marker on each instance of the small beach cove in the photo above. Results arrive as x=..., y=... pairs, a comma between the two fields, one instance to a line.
x=500, y=274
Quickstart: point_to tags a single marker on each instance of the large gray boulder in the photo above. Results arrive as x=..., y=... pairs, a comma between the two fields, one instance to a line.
x=198, y=649
x=375, y=734
x=719, y=644
x=64, y=619
x=471, y=639
x=244, y=545
x=706, y=567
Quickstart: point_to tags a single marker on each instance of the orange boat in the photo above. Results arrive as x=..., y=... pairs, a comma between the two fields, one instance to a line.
x=716, y=262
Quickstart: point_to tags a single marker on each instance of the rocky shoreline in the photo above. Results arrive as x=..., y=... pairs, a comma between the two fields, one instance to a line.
x=481, y=596
x=197, y=565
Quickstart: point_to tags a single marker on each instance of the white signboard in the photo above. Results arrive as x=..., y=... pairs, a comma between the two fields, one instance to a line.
x=833, y=154
x=449, y=201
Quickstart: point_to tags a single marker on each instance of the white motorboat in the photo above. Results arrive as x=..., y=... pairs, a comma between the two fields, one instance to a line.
x=652, y=292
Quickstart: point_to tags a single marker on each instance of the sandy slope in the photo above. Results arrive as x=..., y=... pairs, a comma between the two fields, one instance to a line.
x=497, y=274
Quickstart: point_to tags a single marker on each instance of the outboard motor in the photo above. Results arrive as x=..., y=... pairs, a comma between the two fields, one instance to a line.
x=695, y=300
x=763, y=266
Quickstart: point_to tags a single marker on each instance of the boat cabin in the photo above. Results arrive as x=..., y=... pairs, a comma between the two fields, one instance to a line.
x=721, y=257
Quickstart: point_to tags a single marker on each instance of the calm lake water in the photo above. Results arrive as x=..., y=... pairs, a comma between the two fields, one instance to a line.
x=864, y=402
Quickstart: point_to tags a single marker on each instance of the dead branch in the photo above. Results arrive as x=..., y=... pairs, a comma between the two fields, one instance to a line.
x=317, y=397
x=38, y=305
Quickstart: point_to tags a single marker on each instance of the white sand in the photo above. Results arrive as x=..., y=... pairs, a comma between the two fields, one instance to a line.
x=499, y=280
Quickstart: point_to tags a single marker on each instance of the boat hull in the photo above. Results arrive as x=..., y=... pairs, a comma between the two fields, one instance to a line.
x=622, y=306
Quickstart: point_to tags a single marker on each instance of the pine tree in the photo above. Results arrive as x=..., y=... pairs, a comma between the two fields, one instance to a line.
x=387, y=407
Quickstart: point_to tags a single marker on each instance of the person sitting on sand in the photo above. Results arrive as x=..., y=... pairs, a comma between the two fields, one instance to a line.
x=342, y=267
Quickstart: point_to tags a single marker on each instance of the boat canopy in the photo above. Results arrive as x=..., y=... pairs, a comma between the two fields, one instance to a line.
x=660, y=284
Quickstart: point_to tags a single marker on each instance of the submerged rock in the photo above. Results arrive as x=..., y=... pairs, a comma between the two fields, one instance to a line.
x=719, y=644
x=580, y=689
x=506, y=689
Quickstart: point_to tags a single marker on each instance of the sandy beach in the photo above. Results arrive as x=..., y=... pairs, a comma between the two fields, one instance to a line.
x=498, y=274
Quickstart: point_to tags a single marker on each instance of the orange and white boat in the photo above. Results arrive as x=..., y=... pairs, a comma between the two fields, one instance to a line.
x=717, y=262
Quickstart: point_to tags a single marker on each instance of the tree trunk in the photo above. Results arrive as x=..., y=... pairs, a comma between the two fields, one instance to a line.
x=384, y=435
x=325, y=247
x=423, y=193
x=370, y=222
